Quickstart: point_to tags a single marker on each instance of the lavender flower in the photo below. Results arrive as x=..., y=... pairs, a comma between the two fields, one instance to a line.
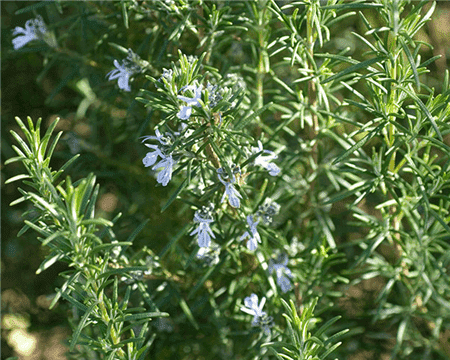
x=282, y=272
x=230, y=191
x=265, y=160
x=151, y=157
x=165, y=175
x=252, y=244
x=204, y=218
x=34, y=30
x=260, y=317
x=166, y=161
x=186, y=110
x=123, y=71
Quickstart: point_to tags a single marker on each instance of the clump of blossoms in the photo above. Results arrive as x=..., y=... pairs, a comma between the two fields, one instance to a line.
x=268, y=210
x=209, y=255
x=204, y=233
x=260, y=317
x=130, y=65
x=163, y=151
x=215, y=94
x=35, y=29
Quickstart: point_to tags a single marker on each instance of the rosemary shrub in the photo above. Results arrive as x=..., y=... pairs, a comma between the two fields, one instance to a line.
x=271, y=166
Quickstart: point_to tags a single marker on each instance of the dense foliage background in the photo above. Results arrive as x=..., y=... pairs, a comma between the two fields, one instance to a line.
x=364, y=199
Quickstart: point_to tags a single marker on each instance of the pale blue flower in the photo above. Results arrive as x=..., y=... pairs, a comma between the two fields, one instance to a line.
x=130, y=65
x=265, y=160
x=166, y=162
x=203, y=230
x=260, y=317
x=282, y=272
x=164, y=175
x=252, y=244
x=123, y=73
x=34, y=30
x=151, y=157
x=230, y=191
x=186, y=110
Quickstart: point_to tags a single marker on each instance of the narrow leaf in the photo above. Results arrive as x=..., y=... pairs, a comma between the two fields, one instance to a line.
x=81, y=325
x=360, y=143
x=424, y=109
x=354, y=68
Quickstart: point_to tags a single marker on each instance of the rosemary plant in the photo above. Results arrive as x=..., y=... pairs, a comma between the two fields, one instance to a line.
x=282, y=168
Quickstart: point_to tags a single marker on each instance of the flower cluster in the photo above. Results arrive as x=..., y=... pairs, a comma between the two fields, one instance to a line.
x=166, y=77
x=204, y=233
x=130, y=65
x=35, y=29
x=268, y=210
x=209, y=255
x=214, y=95
x=167, y=162
x=260, y=317
x=229, y=176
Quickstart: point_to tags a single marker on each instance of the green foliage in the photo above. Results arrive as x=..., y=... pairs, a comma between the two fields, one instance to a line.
x=302, y=344
x=68, y=226
x=306, y=143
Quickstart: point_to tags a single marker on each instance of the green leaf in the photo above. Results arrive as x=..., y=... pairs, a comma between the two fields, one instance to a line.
x=124, y=14
x=49, y=261
x=244, y=122
x=104, y=247
x=99, y=221
x=54, y=236
x=65, y=166
x=17, y=177
x=81, y=325
x=22, y=144
x=352, y=5
x=137, y=231
x=354, y=68
x=175, y=194
x=141, y=316
x=423, y=108
x=174, y=240
x=187, y=311
x=62, y=290
x=330, y=350
x=325, y=326
x=411, y=62
x=87, y=191
x=360, y=143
